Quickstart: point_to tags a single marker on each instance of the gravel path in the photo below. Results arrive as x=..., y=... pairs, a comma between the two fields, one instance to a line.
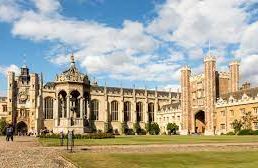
x=26, y=152
x=169, y=148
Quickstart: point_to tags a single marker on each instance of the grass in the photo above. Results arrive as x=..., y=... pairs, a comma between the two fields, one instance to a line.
x=163, y=160
x=148, y=139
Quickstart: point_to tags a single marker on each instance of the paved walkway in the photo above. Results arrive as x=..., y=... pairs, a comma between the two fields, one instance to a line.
x=168, y=148
x=26, y=152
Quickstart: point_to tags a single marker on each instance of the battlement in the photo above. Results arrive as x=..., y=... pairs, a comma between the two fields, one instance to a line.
x=186, y=68
x=209, y=58
x=235, y=62
x=197, y=77
x=224, y=74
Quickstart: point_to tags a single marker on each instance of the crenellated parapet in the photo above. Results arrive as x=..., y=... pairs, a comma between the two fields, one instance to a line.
x=238, y=98
x=224, y=75
x=210, y=58
x=198, y=77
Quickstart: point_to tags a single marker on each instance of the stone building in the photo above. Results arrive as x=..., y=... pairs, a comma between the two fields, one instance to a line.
x=208, y=103
x=211, y=101
x=72, y=102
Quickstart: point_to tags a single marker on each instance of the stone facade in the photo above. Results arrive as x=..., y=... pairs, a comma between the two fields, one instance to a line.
x=208, y=103
x=72, y=102
x=211, y=101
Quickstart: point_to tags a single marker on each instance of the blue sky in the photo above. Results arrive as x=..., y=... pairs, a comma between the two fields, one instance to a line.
x=141, y=42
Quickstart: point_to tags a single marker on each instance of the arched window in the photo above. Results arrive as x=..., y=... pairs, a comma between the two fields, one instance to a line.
x=127, y=111
x=151, y=112
x=94, y=110
x=139, y=109
x=48, y=108
x=114, y=111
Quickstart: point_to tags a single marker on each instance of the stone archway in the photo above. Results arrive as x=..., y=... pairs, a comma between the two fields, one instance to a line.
x=199, y=120
x=21, y=127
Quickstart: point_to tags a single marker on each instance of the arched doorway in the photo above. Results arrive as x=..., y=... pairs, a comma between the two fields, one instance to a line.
x=200, y=122
x=21, y=128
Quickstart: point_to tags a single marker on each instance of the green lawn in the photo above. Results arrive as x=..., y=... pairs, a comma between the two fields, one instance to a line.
x=148, y=139
x=169, y=160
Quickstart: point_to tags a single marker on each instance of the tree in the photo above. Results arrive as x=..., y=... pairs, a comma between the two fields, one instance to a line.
x=3, y=125
x=154, y=129
x=248, y=120
x=172, y=128
x=137, y=128
x=237, y=125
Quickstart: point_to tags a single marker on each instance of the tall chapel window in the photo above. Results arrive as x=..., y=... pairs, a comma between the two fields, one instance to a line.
x=127, y=111
x=139, y=111
x=94, y=110
x=114, y=111
x=48, y=108
x=151, y=112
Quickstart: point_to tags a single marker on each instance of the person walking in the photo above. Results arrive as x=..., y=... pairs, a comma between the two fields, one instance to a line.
x=9, y=133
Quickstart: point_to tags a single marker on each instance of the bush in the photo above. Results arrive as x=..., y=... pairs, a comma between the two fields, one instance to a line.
x=255, y=132
x=230, y=133
x=129, y=131
x=246, y=132
x=172, y=128
x=80, y=136
x=3, y=125
x=154, y=129
x=137, y=128
x=123, y=127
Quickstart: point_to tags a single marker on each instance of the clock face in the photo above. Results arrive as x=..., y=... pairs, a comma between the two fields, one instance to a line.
x=23, y=96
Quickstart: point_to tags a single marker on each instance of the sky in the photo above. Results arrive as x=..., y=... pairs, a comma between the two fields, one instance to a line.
x=126, y=43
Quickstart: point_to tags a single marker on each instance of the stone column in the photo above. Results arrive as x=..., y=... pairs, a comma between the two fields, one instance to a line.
x=68, y=110
x=186, y=101
x=56, y=109
x=210, y=92
x=82, y=107
x=234, y=76
x=88, y=109
x=146, y=113
x=121, y=111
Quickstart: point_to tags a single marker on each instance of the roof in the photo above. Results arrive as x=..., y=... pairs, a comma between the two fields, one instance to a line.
x=252, y=92
x=174, y=105
x=49, y=85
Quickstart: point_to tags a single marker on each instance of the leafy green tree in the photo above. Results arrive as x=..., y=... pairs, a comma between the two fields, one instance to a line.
x=154, y=129
x=248, y=120
x=172, y=128
x=147, y=127
x=237, y=126
x=137, y=128
x=3, y=125
x=123, y=127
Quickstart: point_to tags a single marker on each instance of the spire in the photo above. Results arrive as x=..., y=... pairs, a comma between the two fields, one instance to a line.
x=209, y=52
x=24, y=65
x=72, y=60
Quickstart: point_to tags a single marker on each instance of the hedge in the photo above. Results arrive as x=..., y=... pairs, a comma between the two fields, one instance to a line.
x=80, y=136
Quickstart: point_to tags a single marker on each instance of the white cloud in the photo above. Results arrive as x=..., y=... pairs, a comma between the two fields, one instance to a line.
x=5, y=69
x=247, y=68
x=249, y=41
x=47, y=6
x=9, y=10
x=194, y=22
x=131, y=51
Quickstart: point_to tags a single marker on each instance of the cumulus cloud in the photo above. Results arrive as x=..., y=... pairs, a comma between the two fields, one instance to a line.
x=9, y=10
x=248, y=71
x=131, y=52
x=47, y=6
x=5, y=69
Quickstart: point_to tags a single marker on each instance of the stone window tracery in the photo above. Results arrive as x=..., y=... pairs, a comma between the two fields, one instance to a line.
x=48, y=108
x=151, y=112
x=114, y=111
x=94, y=110
x=139, y=111
x=127, y=111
